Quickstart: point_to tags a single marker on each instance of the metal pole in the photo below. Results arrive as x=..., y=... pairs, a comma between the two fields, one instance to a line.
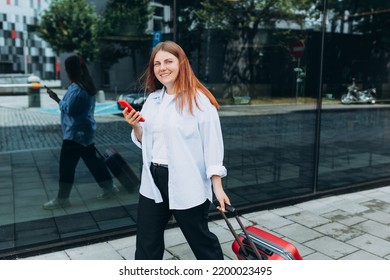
x=25, y=52
x=297, y=81
x=174, y=21
x=317, y=143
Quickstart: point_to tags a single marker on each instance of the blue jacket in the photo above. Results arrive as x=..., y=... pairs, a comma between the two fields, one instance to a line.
x=77, y=115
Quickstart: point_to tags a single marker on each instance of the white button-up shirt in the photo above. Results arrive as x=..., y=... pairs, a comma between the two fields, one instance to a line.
x=195, y=151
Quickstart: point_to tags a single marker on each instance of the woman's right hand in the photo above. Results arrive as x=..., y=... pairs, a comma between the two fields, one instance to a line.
x=132, y=117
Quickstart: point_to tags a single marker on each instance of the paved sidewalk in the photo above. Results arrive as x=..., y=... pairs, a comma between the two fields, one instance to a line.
x=353, y=226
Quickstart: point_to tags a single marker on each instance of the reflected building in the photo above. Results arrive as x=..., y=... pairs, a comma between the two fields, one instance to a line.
x=22, y=51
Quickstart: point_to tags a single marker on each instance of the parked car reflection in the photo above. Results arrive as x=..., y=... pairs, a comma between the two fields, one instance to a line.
x=136, y=100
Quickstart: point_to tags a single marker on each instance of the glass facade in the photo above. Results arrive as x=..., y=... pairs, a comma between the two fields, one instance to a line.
x=280, y=73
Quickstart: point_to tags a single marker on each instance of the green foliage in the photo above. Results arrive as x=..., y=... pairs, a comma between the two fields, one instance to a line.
x=74, y=26
x=71, y=26
x=251, y=25
x=369, y=17
x=126, y=17
x=122, y=30
x=227, y=15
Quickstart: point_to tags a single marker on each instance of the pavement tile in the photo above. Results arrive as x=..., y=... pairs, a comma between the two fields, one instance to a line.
x=174, y=237
x=60, y=256
x=383, y=189
x=167, y=255
x=350, y=207
x=374, y=228
x=244, y=220
x=285, y=211
x=372, y=244
x=298, y=233
x=343, y=217
x=228, y=251
x=378, y=216
x=381, y=195
x=316, y=206
x=127, y=253
x=308, y=219
x=121, y=243
x=302, y=249
x=316, y=256
x=329, y=199
x=339, y=231
x=100, y=251
x=223, y=233
x=378, y=205
x=361, y=255
x=268, y=220
x=331, y=247
x=181, y=252
x=355, y=197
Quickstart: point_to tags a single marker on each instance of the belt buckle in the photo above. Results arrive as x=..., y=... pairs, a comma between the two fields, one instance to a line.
x=160, y=165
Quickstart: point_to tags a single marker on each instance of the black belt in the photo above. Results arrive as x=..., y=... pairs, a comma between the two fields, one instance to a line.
x=160, y=165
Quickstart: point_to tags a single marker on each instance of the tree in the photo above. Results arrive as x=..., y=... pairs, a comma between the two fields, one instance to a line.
x=71, y=26
x=366, y=16
x=370, y=21
x=239, y=23
x=123, y=31
x=126, y=17
x=190, y=36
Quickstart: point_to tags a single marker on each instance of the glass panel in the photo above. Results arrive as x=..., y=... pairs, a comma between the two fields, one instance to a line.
x=354, y=122
x=257, y=69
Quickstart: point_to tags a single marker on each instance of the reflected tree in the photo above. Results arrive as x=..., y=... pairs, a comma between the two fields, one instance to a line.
x=247, y=26
x=370, y=19
x=122, y=31
x=71, y=26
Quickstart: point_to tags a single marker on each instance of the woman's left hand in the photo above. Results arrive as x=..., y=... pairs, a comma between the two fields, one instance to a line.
x=219, y=193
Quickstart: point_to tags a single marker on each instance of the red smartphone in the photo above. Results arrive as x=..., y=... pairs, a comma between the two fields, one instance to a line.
x=125, y=104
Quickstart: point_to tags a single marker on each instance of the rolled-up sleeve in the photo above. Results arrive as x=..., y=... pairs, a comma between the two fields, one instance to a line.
x=216, y=170
x=135, y=140
x=212, y=140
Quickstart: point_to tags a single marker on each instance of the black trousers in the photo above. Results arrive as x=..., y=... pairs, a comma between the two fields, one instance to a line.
x=71, y=152
x=153, y=218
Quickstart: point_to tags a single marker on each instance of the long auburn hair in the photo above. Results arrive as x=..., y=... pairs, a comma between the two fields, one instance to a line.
x=78, y=73
x=186, y=85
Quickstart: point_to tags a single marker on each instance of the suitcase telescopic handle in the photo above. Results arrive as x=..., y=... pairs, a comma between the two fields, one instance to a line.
x=228, y=207
x=231, y=209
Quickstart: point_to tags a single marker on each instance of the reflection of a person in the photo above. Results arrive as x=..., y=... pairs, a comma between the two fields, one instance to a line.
x=78, y=128
x=182, y=152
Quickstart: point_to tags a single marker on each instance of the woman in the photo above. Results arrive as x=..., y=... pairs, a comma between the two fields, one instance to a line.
x=182, y=152
x=78, y=128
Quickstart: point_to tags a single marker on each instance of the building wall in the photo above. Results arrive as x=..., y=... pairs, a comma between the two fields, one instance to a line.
x=22, y=51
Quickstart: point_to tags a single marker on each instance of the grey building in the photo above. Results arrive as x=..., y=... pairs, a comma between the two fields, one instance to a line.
x=22, y=51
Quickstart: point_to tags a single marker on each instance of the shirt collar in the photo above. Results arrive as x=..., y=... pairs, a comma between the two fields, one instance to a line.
x=161, y=95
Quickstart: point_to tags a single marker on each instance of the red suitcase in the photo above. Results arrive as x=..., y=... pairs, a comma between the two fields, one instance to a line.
x=254, y=243
x=119, y=167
